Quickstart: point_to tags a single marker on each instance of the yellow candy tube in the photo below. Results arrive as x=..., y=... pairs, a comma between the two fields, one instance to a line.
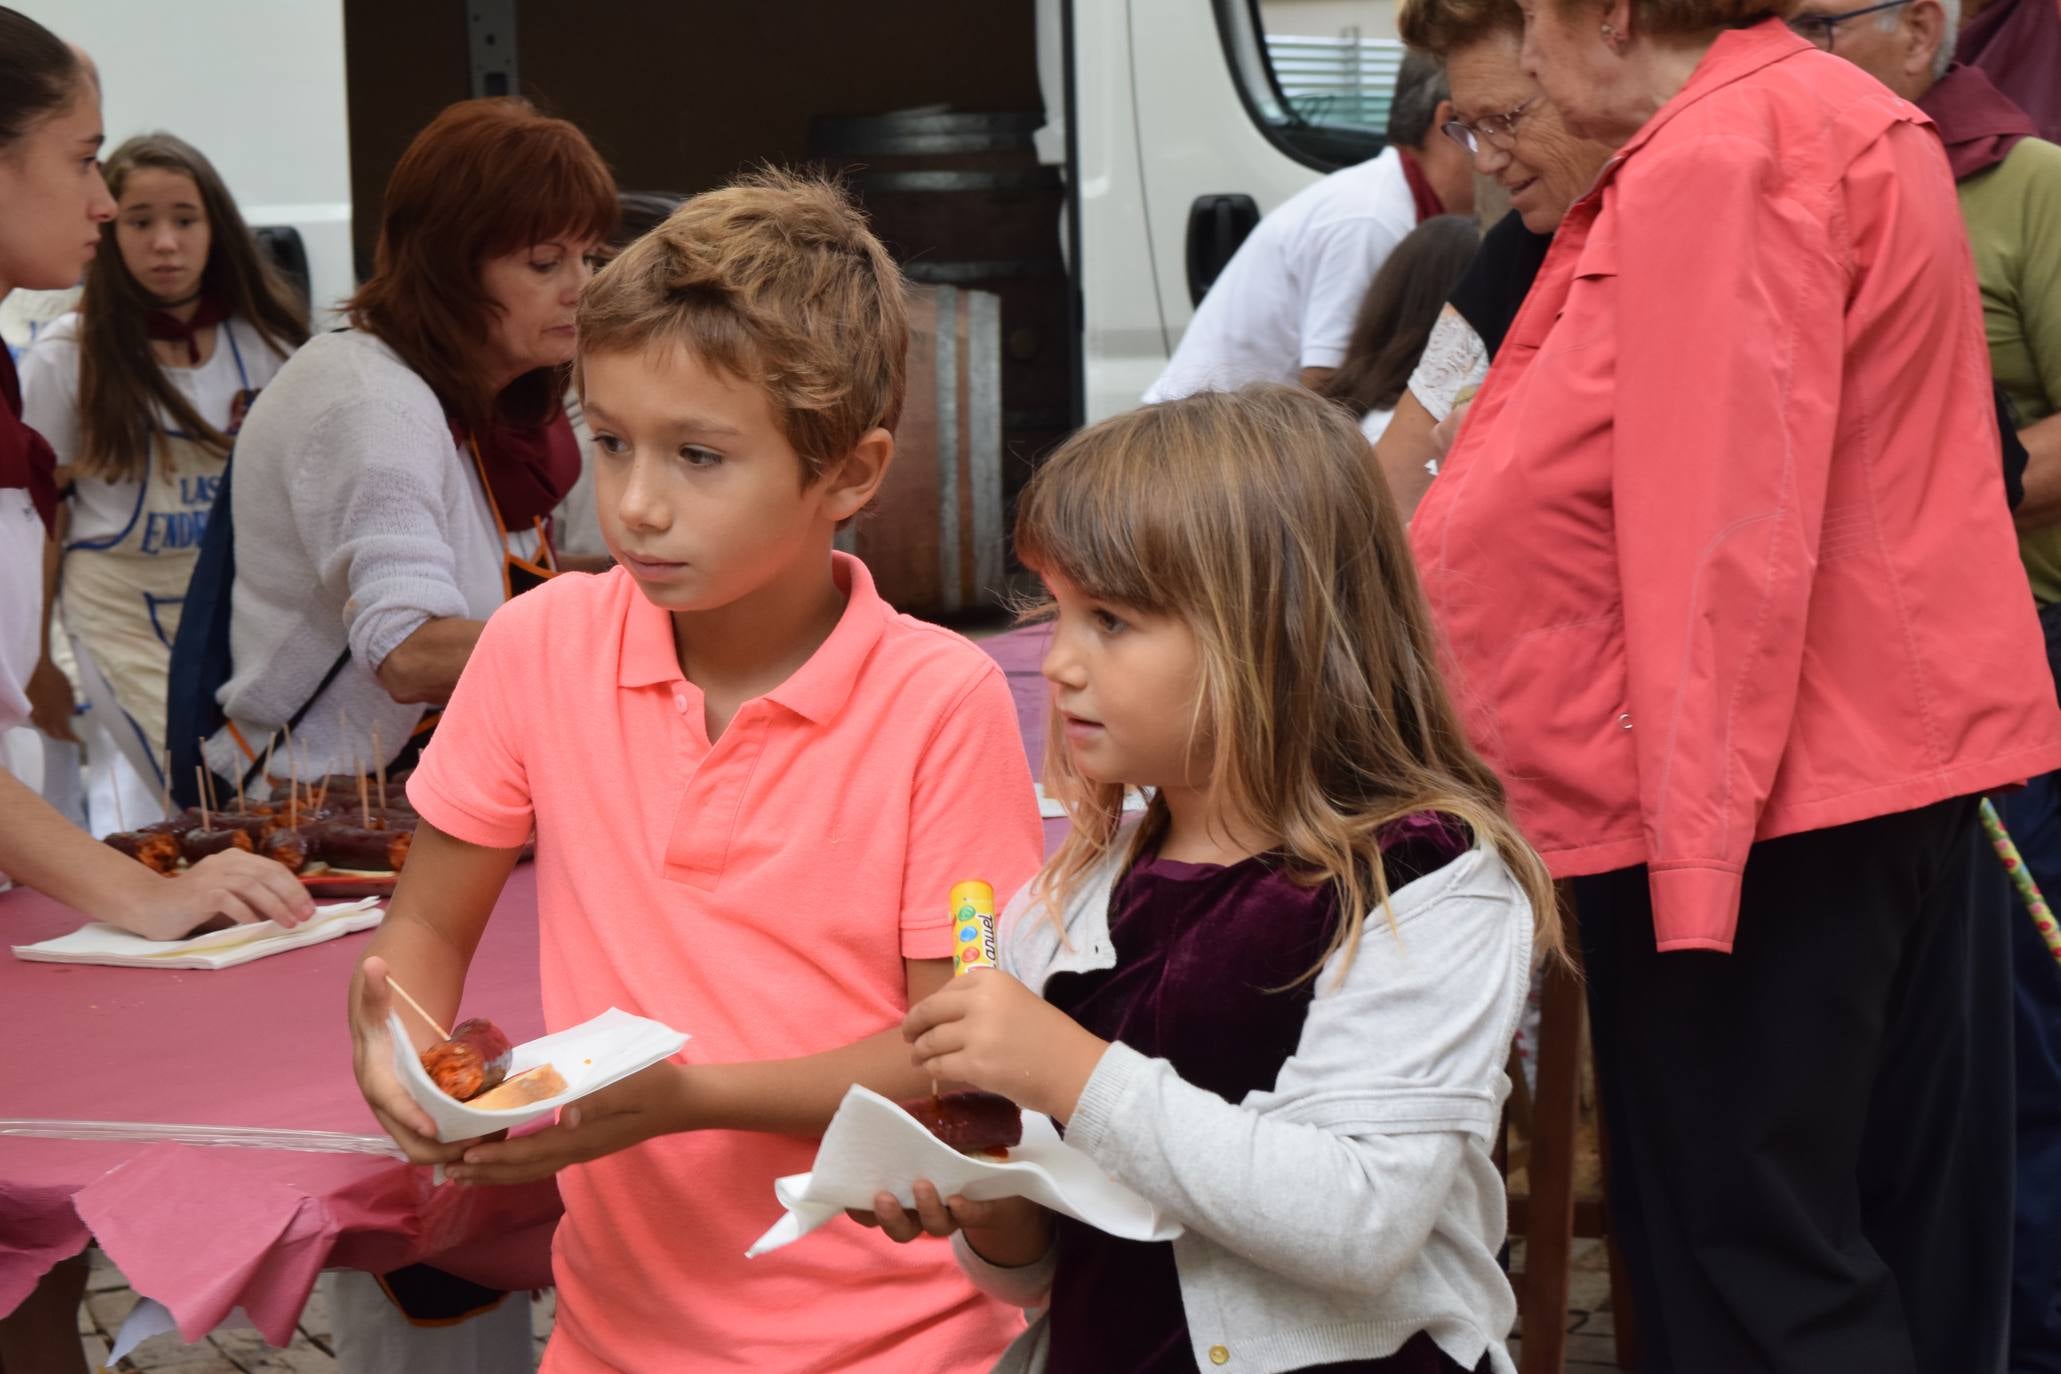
x=973, y=926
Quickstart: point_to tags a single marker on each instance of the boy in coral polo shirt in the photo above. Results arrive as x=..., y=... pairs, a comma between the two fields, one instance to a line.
x=752, y=785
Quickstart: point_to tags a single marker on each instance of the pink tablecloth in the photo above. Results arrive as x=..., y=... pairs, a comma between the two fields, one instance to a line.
x=207, y=1229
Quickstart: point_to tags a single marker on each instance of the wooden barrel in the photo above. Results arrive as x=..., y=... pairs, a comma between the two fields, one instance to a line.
x=935, y=538
x=961, y=200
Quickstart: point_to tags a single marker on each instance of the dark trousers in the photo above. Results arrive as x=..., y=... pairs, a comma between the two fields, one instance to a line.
x=2033, y=816
x=1811, y=1136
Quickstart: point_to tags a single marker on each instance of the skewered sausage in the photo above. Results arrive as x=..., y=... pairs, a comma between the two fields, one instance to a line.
x=250, y=823
x=288, y=846
x=175, y=825
x=198, y=844
x=473, y=1060
x=352, y=846
x=154, y=849
x=975, y=1121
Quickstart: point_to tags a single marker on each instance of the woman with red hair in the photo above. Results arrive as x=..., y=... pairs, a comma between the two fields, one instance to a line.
x=394, y=483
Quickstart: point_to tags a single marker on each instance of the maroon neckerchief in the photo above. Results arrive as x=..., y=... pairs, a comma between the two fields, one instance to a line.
x=2017, y=43
x=169, y=328
x=529, y=468
x=1426, y=200
x=1978, y=122
x=26, y=459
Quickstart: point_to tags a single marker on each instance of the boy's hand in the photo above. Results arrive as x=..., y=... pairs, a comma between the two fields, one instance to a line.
x=623, y=1114
x=372, y=1059
x=989, y=1031
x=1010, y=1231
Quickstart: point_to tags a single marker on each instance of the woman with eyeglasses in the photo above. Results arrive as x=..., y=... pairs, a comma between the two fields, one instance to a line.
x=1517, y=139
x=1724, y=569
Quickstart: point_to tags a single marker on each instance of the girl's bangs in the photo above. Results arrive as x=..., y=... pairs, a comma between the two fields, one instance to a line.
x=1095, y=515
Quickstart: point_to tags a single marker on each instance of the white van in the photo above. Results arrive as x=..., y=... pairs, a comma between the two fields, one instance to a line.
x=1192, y=119
x=1169, y=126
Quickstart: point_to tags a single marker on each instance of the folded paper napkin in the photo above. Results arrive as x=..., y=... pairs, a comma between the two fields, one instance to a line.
x=105, y=944
x=874, y=1146
x=589, y=1056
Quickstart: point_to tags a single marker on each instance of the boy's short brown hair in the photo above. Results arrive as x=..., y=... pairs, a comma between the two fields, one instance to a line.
x=777, y=280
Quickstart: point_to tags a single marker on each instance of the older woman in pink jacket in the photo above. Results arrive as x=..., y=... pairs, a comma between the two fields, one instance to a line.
x=1725, y=571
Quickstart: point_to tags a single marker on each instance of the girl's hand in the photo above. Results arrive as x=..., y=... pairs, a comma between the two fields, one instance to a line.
x=50, y=701
x=1010, y=1231
x=988, y=1031
x=1447, y=430
x=242, y=887
x=644, y=1105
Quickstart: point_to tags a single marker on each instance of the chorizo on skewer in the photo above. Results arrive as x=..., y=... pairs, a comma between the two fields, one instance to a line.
x=473, y=1060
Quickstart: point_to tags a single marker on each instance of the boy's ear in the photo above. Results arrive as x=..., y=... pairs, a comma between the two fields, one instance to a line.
x=852, y=484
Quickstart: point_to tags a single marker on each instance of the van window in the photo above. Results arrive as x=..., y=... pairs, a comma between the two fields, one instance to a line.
x=1315, y=75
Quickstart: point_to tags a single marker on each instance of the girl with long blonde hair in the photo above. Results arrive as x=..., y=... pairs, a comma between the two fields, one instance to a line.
x=1279, y=1003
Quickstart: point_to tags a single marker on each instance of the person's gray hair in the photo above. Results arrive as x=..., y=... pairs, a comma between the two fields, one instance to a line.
x=1949, y=38
x=1419, y=87
x=1949, y=34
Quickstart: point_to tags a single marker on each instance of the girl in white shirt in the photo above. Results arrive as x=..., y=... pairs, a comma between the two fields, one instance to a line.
x=140, y=393
x=1278, y=1006
x=1397, y=316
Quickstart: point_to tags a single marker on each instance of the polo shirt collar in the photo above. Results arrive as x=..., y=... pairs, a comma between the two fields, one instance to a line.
x=1736, y=55
x=815, y=691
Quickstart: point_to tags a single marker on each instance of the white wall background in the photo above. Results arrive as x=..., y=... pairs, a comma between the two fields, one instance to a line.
x=257, y=85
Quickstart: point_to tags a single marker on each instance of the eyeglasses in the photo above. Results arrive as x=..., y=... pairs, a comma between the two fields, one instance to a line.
x=1818, y=29
x=1500, y=130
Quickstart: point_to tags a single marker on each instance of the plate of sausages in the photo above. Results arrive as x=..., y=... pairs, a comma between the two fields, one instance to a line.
x=337, y=851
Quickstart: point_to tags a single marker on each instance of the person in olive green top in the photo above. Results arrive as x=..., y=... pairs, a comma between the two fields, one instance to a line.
x=2010, y=190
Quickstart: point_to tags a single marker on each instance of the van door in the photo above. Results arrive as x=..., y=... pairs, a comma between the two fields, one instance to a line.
x=1191, y=120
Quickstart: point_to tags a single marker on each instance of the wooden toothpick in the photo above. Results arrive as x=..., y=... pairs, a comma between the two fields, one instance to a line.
x=200, y=774
x=207, y=780
x=416, y=1007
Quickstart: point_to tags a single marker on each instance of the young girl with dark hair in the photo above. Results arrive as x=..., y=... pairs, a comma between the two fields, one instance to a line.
x=1395, y=319
x=140, y=393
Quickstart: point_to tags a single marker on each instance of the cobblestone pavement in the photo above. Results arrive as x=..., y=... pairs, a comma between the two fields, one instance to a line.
x=108, y=1300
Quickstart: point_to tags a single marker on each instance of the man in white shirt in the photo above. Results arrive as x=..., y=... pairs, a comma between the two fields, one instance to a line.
x=1283, y=309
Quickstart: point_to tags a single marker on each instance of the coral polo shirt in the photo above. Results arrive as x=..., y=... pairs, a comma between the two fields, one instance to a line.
x=760, y=894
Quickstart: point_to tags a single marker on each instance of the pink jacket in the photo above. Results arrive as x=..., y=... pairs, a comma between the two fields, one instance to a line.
x=1722, y=551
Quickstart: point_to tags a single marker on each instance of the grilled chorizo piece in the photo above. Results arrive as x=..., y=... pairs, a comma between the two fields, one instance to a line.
x=473, y=1060
x=198, y=844
x=970, y=1120
x=154, y=849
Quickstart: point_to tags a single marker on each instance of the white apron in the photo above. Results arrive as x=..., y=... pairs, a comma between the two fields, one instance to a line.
x=122, y=594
